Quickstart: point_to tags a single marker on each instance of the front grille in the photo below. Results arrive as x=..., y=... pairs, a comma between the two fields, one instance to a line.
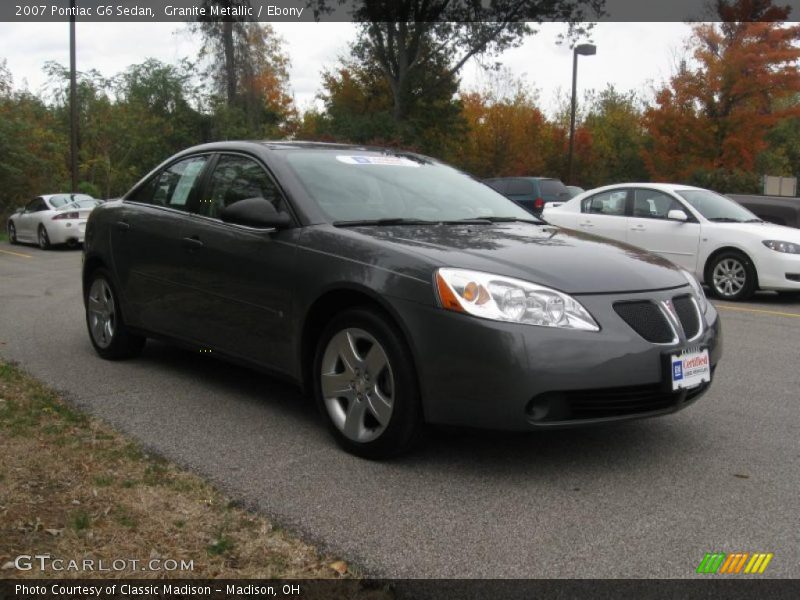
x=607, y=403
x=687, y=315
x=646, y=319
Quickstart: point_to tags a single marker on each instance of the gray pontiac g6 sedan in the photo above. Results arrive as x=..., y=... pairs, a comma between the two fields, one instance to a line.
x=396, y=290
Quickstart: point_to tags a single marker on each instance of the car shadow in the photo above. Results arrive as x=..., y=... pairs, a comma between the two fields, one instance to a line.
x=469, y=450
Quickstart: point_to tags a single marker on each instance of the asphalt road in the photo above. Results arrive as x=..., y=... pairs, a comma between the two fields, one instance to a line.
x=645, y=499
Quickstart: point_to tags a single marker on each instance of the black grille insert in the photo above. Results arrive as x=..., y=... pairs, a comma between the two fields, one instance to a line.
x=608, y=403
x=646, y=319
x=687, y=315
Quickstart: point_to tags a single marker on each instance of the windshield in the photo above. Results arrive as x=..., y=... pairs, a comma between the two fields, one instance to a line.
x=353, y=186
x=717, y=208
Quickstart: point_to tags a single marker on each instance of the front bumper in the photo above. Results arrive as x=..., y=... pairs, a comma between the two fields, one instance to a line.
x=777, y=271
x=480, y=373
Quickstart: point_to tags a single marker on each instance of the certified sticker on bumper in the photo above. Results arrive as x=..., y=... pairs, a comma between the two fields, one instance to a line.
x=690, y=368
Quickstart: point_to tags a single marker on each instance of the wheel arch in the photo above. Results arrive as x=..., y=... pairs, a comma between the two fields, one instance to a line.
x=90, y=265
x=721, y=250
x=325, y=307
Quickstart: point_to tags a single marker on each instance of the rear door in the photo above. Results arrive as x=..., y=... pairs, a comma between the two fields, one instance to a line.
x=242, y=276
x=148, y=252
x=650, y=228
x=604, y=214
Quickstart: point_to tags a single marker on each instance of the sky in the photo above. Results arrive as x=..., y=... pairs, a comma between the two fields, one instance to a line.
x=631, y=56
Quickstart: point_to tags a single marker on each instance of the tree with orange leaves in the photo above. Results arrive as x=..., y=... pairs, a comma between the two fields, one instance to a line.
x=711, y=121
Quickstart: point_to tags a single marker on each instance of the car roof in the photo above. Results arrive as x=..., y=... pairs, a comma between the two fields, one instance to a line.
x=666, y=187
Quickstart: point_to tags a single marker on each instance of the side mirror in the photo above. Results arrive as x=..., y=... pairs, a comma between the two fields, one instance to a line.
x=677, y=215
x=255, y=212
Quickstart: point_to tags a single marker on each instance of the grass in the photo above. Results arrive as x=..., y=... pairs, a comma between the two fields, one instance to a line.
x=3, y=236
x=72, y=487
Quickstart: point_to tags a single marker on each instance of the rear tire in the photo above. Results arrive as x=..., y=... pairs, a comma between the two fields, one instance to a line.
x=365, y=385
x=43, y=238
x=107, y=330
x=732, y=276
x=12, y=233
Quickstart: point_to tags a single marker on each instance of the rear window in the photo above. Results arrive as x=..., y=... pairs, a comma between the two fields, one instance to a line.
x=520, y=187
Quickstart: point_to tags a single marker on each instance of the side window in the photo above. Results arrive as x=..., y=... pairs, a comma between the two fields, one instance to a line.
x=33, y=205
x=238, y=178
x=144, y=193
x=498, y=185
x=520, y=187
x=173, y=187
x=606, y=203
x=651, y=204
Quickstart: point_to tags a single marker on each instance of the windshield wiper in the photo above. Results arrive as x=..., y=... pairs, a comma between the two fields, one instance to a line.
x=382, y=222
x=724, y=220
x=533, y=220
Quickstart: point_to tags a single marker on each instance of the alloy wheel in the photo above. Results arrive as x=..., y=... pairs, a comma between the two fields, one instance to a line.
x=12, y=233
x=729, y=277
x=357, y=385
x=44, y=241
x=102, y=313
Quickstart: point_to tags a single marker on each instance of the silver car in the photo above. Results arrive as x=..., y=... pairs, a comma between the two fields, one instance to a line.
x=51, y=220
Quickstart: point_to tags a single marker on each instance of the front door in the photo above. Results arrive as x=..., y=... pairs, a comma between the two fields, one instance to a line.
x=242, y=276
x=650, y=227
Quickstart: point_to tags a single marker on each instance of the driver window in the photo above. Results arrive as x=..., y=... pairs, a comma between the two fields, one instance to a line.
x=238, y=178
x=650, y=204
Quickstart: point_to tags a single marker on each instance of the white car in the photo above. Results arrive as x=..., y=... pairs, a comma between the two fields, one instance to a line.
x=52, y=219
x=725, y=245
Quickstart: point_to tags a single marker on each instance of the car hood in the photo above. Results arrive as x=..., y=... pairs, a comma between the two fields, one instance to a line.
x=570, y=261
x=762, y=231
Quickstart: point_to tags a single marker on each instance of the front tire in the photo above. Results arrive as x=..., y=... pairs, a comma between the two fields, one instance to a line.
x=365, y=385
x=43, y=238
x=732, y=276
x=107, y=330
x=12, y=233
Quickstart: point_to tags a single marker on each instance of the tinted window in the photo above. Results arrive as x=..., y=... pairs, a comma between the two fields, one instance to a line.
x=174, y=186
x=653, y=205
x=520, y=187
x=498, y=185
x=554, y=188
x=35, y=205
x=238, y=178
x=606, y=203
x=351, y=186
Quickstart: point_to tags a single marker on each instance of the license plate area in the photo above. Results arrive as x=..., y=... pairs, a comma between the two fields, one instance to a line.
x=688, y=368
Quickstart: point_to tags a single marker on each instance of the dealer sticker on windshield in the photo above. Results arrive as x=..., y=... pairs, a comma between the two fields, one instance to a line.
x=386, y=161
x=690, y=368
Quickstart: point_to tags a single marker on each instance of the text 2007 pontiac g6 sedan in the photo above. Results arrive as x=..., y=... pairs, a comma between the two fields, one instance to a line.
x=396, y=289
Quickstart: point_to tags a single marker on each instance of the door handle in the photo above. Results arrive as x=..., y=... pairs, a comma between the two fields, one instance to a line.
x=192, y=243
x=123, y=226
x=586, y=224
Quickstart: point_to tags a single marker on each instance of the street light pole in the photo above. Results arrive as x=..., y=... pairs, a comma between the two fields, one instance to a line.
x=584, y=50
x=73, y=103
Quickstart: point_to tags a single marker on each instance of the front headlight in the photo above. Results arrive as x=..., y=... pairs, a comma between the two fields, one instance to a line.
x=506, y=299
x=785, y=247
x=697, y=290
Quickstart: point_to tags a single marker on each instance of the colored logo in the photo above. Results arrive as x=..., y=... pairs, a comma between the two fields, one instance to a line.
x=734, y=563
x=677, y=370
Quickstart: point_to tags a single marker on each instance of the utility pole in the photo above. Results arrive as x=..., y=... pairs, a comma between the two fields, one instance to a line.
x=73, y=102
x=582, y=50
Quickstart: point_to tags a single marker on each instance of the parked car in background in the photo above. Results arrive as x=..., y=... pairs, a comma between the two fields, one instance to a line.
x=51, y=220
x=531, y=193
x=574, y=190
x=725, y=245
x=780, y=210
x=394, y=289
